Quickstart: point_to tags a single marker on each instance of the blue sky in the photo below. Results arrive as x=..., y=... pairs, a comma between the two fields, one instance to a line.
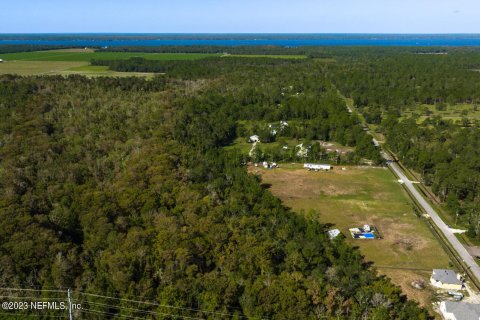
x=226, y=16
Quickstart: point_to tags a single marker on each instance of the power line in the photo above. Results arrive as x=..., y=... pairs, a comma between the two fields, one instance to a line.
x=131, y=317
x=121, y=299
x=138, y=310
x=30, y=315
x=109, y=314
x=31, y=298
x=159, y=305
x=35, y=290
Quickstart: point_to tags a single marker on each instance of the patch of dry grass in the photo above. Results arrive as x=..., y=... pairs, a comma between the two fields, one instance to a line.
x=361, y=195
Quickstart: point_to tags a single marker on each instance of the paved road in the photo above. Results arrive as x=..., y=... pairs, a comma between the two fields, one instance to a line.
x=462, y=252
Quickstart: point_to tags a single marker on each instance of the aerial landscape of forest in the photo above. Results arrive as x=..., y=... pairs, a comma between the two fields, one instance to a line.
x=240, y=160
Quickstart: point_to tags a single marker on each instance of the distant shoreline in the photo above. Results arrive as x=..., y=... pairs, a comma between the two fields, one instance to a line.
x=240, y=39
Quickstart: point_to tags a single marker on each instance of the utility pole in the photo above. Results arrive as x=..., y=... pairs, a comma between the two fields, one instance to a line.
x=69, y=305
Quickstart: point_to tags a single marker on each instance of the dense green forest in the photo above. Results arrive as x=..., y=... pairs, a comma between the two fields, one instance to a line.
x=385, y=84
x=122, y=186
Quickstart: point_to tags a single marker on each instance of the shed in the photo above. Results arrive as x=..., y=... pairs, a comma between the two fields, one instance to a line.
x=254, y=138
x=446, y=279
x=317, y=167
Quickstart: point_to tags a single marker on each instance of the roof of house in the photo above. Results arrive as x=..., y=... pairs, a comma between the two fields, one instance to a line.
x=463, y=310
x=445, y=276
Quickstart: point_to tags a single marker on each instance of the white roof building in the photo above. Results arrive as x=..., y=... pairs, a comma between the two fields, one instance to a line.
x=254, y=138
x=446, y=279
x=452, y=310
x=315, y=166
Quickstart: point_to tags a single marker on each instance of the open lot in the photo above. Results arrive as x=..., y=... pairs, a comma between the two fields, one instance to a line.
x=454, y=112
x=26, y=68
x=365, y=195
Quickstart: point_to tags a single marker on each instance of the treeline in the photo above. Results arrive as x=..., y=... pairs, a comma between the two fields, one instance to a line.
x=447, y=156
x=125, y=190
x=12, y=48
x=274, y=50
x=400, y=80
x=383, y=84
x=192, y=69
x=345, y=52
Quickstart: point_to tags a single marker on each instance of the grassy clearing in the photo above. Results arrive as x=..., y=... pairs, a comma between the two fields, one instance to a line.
x=360, y=196
x=63, y=55
x=272, y=56
x=452, y=112
x=89, y=68
x=29, y=68
x=244, y=146
x=25, y=68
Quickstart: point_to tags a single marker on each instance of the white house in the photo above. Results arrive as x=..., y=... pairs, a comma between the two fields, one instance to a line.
x=446, y=279
x=452, y=310
x=254, y=138
x=317, y=167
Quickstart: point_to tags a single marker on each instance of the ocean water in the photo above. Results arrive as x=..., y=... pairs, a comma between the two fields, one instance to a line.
x=284, y=40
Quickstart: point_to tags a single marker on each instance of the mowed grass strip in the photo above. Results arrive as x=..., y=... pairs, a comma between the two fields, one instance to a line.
x=358, y=196
x=88, y=56
x=25, y=68
x=65, y=68
x=272, y=56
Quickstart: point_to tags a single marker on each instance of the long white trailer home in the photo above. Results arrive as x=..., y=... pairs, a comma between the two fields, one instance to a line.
x=317, y=167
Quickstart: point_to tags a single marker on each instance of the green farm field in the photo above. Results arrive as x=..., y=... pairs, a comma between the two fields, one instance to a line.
x=365, y=195
x=32, y=68
x=26, y=68
x=87, y=56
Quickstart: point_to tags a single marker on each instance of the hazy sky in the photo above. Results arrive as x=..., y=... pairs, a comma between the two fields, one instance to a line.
x=227, y=16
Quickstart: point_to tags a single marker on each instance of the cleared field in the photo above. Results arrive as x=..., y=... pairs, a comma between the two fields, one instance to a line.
x=28, y=68
x=452, y=112
x=69, y=55
x=364, y=195
x=37, y=67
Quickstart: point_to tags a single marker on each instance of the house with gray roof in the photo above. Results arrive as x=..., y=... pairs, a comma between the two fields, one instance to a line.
x=452, y=310
x=446, y=279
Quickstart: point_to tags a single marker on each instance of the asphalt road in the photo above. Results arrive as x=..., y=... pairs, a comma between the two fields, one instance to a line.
x=462, y=252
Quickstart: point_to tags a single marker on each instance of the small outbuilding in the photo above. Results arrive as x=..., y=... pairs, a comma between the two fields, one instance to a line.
x=446, y=279
x=317, y=167
x=254, y=138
